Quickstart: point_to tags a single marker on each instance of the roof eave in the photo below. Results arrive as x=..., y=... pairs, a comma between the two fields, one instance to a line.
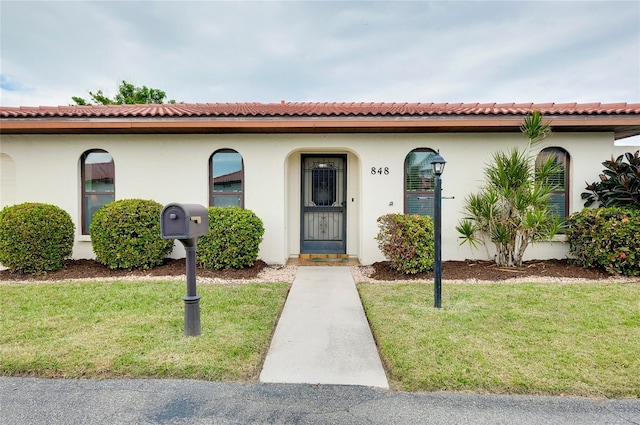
x=621, y=125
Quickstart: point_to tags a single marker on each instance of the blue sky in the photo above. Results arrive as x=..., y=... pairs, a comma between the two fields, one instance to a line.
x=419, y=51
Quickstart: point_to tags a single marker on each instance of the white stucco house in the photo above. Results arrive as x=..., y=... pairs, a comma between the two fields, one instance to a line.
x=317, y=174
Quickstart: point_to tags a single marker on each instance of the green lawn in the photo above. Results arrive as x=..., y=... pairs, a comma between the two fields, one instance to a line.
x=573, y=339
x=107, y=329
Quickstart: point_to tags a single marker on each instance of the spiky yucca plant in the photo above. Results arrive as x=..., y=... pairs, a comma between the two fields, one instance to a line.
x=512, y=211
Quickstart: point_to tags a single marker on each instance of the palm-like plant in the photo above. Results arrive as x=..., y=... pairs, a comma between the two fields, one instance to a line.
x=512, y=211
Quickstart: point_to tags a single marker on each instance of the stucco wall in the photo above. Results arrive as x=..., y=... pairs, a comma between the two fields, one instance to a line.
x=7, y=180
x=174, y=168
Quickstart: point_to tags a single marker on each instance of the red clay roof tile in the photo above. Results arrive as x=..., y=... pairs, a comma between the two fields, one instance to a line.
x=623, y=119
x=309, y=109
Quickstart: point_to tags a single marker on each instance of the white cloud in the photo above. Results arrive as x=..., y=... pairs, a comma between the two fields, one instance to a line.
x=629, y=141
x=323, y=51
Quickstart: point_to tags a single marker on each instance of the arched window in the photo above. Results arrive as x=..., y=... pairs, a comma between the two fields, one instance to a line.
x=98, y=183
x=559, y=179
x=419, y=182
x=226, y=179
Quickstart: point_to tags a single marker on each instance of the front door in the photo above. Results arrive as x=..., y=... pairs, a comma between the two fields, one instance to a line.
x=323, y=209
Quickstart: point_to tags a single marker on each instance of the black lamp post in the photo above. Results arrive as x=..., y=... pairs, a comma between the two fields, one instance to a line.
x=437, y=167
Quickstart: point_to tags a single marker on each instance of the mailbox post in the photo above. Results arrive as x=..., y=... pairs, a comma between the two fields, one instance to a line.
x=187, y=222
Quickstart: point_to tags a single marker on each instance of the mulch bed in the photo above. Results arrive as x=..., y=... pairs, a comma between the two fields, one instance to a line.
x=83, y=269
x=488, y=270
x=451, y=270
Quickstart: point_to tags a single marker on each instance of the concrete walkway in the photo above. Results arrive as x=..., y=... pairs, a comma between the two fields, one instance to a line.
x=323, y=336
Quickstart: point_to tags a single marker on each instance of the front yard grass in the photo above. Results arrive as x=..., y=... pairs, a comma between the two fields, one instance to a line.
x=135, y=329
x=580, y=339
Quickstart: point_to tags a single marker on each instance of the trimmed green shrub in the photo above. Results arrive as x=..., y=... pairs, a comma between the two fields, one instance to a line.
x=407, y=241
x=606, y=238
x=233, y=240
x=35, y=237
x=126, y=235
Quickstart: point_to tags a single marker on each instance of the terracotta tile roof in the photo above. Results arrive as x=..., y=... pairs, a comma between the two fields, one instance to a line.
x=100, y=170
x=235, y=176
x=623, y=119
x=301, y=110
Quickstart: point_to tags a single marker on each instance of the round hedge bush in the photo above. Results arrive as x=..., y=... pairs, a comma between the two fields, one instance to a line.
x=233, y=240
x=125, y=234
x=35, y=237
x=606, y=238
x=407, y=241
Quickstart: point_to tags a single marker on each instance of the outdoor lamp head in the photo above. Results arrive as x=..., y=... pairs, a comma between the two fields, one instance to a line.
x=437, y=164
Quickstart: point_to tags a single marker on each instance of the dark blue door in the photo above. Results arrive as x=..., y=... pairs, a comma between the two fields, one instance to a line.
x=323, y=209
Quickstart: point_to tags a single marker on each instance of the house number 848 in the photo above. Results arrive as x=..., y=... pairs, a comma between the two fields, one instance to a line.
x=380, y=171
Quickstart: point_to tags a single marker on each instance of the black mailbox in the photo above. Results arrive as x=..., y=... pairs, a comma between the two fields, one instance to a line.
x=187, y=222
x=184, y=221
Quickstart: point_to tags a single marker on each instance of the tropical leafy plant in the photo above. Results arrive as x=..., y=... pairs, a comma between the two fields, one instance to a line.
x=619, y=184
x=513, y=210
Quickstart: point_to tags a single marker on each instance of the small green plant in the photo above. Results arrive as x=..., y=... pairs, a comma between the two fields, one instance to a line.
x=606, y=238
x=126, y=235
x=35, y=237
x=233, y=241
x=407, y=241
x=619, y=184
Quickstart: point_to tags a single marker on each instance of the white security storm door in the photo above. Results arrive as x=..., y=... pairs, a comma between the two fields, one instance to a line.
x=323, y=209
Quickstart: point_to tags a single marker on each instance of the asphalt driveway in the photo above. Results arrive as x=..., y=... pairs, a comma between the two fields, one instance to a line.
x=162, y=401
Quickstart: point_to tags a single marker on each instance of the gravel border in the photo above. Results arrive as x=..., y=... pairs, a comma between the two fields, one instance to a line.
x=286, y=274
x=361, y=275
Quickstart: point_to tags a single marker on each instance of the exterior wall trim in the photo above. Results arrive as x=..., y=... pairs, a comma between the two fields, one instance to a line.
x=476, y=123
